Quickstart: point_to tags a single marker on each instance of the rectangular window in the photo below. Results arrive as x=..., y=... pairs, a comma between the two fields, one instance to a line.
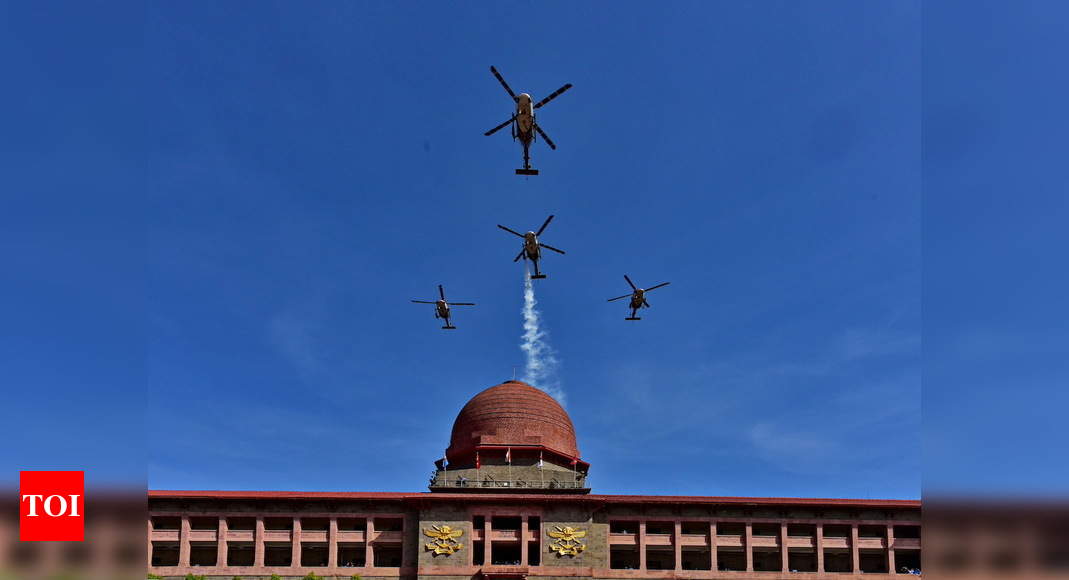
x=765, y=530
x=837, y=560
x=731, y=559
x=802, y=560
x=352, y=524
x=477, y=553
x=203, y=523
x=623, y=557
x=351, y=555
x=730, y=529
x=907, y=561
x=908, y=532
x=509, y=523
x=388, y=524
x=505, y=553
x=623, y=527
x=240, y=554
x=278, y=524
x=314, y=553
x=660, y=528
x=873, y=561
x=202, y=553
x=241, y=524
x=315, y=524
x=164, y=553
x=872, y=531
x=696, y=558
x=166, y=522
x=278, y=554
x=660, y=558
x=387, y=556
x=767, y=560
x=695, y=528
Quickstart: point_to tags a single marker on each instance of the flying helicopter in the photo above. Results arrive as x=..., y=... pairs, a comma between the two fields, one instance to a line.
x=638, y=297
x=441, y=307
x=531, y=246
x=523, y=122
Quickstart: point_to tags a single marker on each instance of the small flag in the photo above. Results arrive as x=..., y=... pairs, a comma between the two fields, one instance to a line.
x=440, y=464
x=540, y=460
x=574, y=461
x=477, y=464
x=508, y=455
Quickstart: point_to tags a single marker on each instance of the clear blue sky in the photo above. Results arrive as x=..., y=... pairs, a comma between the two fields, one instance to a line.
x=213, y=217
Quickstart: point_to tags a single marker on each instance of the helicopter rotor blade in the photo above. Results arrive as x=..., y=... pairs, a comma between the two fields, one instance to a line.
x=544, y=225
x=503, y=83
x=441, y=291
x=511, y=231
x=423, y=302
x=657, y=286
x=620, y=297
x=630, y=283
x=500, y=127
x=552, y=95
x=461, y=303
x=518, y=256
x=546, y=137
x=551, y=248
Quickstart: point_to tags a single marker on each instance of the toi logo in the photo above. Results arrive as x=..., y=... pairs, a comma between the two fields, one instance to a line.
x=51, y=506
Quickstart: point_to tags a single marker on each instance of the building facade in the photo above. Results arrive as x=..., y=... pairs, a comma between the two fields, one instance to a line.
x=510, y=500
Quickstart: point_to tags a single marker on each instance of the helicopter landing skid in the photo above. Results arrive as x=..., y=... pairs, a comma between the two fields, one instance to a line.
x=632, y=318
x=537, y=276
x=449, y=328
x=526, y=172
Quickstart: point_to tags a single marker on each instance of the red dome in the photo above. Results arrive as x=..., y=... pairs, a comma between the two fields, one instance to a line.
x=512, y=414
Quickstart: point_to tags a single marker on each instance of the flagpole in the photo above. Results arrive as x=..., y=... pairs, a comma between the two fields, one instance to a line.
x=541, y=470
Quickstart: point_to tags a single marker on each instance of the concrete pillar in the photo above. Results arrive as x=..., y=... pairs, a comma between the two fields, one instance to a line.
x=258, y=542
x=855, y=553
x=642, y=545
x=712, y=546
x=295, y=543
x=749, y=547
x=183, y=542
x=148, y=552
x=783, y=552
x=369, y=551
x=677, y=545
x=220, y=543
x=332, y=543
x=891, y=549
x=523, y=541
x=487, y=561
x=820, y=548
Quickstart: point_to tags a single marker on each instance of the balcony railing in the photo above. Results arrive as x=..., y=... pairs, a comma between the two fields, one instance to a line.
x=460, y=483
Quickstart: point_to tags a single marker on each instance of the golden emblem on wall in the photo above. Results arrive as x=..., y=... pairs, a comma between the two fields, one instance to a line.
x=569, y=542
x=445, y=539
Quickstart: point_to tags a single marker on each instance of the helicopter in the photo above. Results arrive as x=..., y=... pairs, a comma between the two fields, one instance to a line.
x=441, y=307
x=523, y=122
x=531, y=246
x=638, y=297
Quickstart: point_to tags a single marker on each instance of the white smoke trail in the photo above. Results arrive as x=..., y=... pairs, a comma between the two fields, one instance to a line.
x=542, y=363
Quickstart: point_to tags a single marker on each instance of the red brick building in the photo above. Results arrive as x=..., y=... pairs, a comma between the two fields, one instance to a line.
x=511, y=501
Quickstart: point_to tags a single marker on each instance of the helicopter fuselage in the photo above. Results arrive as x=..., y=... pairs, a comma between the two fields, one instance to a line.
x=441, y=309
x=523, y=128
x=530, y=246
x=638, y=298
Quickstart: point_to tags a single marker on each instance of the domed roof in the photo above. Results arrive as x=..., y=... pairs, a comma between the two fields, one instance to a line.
x=512, y=414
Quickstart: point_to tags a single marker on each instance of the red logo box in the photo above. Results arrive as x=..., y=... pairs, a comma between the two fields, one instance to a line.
x=52, y=506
